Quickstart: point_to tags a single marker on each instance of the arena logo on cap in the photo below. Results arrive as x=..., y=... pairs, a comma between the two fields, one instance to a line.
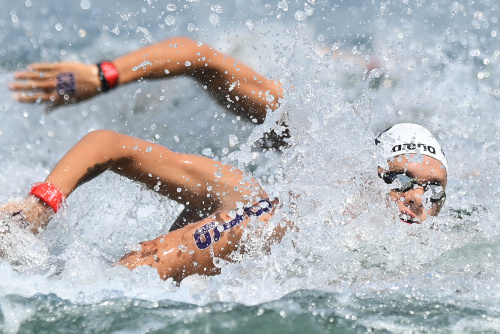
x=413, y=147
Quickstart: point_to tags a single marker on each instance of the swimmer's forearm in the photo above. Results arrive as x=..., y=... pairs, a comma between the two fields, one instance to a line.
x=184, y=56
x=188, y=179
x=229, y=80
x=84, y=161
x=104, y=150
x=161, y=60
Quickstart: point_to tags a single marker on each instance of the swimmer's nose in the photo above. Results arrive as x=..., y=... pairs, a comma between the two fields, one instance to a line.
x=413, y=199
x=414, y=196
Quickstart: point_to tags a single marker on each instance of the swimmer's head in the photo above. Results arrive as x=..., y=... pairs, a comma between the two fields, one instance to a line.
x=417, y=170
x=408, y=138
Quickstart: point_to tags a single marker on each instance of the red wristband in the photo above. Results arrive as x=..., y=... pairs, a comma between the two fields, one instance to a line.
x=49, y=194
x=108, y=74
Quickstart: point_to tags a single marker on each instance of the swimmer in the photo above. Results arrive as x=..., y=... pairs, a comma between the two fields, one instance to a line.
x=220, y=200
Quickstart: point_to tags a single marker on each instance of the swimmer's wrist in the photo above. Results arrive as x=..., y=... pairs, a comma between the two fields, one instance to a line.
x=48, y=194
x=108, y=75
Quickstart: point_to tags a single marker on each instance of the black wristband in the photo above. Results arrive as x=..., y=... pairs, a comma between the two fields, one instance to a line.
x=104, y=82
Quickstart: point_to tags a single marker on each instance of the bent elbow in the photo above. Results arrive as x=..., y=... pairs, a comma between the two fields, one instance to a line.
x=101, y=137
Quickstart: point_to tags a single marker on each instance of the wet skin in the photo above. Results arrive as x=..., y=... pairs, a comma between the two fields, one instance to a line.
x=411, y=204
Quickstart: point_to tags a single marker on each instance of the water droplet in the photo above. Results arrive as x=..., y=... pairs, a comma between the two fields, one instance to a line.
x=214, y=19
x=85, y=4
x=300, y=15
x=217, y=9
x=233, y=140
x=169, y=20
x=207, y=152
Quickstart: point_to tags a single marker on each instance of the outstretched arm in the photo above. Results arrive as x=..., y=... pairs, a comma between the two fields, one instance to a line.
x=232, y=199
x=232, y=83
x=200, y=183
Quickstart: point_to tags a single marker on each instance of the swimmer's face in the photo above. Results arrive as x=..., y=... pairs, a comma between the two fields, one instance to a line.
x=426, y=173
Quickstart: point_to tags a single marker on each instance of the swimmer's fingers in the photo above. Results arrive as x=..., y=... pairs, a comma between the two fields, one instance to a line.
x=36, y=84
x=51, y=100
x=47, y=67
x=56, y=84
x=36, y=97
x=45, y=85
x=37, y=77
x=40, y=72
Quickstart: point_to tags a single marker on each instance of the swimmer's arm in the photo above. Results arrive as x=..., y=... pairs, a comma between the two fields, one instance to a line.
x=176, y=255
x=198, y=182
x=182, y=177
x=201, y=184
x=232, y=83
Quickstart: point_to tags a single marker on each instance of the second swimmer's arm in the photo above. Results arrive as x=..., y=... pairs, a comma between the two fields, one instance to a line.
x=232, y=83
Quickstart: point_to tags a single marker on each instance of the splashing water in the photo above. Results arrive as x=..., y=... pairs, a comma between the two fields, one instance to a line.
x=351, y=265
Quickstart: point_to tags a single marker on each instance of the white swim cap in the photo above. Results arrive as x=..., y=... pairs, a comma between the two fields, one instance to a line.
x=408, y=138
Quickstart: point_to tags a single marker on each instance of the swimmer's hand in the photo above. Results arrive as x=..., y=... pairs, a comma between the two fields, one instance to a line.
x=56, y=84
x=29, y=212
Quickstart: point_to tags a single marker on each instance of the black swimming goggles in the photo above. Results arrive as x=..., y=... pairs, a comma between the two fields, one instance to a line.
x=402, y=182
